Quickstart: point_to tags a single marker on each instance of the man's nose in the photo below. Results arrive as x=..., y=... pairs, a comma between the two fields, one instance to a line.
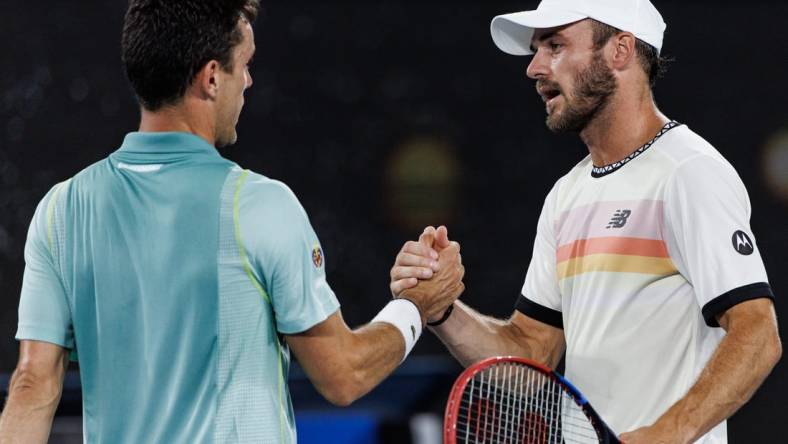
x=248, y=80
x=539, y=66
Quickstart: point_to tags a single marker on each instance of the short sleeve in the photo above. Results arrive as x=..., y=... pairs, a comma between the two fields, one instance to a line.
x=44, y=313
x=286, y=253
x=540, y=298
x=707, y=222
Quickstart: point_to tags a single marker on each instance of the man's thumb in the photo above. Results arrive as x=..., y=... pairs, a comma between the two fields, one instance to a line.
x=428, y=236
x=441, y=238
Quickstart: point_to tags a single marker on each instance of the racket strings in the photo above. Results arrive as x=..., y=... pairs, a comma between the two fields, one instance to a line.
x=570, y=415
x=513, y=403
x=533, y=422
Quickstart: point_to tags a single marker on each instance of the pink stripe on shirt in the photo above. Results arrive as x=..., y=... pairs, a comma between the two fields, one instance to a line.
x=604, y=219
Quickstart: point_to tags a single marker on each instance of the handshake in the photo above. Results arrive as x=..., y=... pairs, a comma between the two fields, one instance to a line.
x=429, y=273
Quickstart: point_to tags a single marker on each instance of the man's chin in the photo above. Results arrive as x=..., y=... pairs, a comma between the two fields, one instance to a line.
x=567, y=121
x=555, y=124
x=223, y=142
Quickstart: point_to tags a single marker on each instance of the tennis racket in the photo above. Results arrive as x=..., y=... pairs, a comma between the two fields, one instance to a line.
x=516, y=401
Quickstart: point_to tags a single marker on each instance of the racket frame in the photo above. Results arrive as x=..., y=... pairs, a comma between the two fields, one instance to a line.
x=606, y=435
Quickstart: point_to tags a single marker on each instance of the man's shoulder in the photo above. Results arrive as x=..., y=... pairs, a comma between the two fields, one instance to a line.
x=264, y=187
x=270, y=217
x=84, y=179
x=683, y=144
x=260, y=194
x=578, y=172
x=691, y=158
x=263, y=183
x=581, y=169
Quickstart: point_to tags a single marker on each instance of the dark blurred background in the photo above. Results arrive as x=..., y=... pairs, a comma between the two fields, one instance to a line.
x=384, y=117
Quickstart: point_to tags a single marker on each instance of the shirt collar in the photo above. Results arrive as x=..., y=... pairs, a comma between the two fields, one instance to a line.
x=166, y=143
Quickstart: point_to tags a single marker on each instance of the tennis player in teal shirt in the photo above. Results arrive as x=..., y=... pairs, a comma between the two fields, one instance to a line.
x=179, y=280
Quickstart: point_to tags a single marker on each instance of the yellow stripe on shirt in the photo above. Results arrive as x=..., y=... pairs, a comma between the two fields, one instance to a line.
x=616, y=263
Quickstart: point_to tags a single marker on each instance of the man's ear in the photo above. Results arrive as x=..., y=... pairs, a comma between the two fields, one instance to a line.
x=206, y=82
x=623, y=49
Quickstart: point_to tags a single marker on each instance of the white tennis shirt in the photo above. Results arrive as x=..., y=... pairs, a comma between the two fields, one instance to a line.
x=634, y=261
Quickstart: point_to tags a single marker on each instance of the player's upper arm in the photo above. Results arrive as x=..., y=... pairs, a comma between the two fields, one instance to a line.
x=707, y=222
x=755, y=320
x=44, y=312
x=540, y=296
x=541, y=341
x=751, y=314
x=321, y=351
x=285, y=254
x=537, y=321
x=321, y=344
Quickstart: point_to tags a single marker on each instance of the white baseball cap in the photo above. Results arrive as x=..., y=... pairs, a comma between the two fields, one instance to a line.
x=512, y=33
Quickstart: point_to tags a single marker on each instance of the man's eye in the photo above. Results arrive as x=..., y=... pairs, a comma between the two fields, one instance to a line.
x=555, y=46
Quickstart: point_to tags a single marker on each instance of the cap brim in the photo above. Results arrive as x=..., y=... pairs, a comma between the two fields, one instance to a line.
x=512, y=33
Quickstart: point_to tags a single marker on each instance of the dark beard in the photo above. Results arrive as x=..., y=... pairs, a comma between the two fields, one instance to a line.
x=594, y=86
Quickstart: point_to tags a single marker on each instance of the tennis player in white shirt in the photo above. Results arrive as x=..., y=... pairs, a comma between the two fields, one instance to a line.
x=645, y=271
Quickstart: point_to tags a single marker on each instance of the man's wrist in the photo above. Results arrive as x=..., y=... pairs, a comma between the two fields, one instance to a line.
x=422, y=315
x=677, y=424
x=404, y=315
x=443, y=318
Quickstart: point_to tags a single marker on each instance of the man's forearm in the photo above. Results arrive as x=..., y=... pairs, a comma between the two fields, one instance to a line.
x=376, y=351
x=345, y=364
x=27, y=416
x=471, y=337
x=738, y=367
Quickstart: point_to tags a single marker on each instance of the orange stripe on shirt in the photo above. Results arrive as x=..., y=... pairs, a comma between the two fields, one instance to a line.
x=661, y=266
x=630, y=246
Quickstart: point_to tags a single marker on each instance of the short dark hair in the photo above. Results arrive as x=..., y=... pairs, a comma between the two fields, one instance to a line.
x=166, y=42
x=653, y=64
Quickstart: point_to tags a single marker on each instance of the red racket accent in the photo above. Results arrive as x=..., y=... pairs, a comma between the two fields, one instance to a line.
x=516, y=401
x=539, y=428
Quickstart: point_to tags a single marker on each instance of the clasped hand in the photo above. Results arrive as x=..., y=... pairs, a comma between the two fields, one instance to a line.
x=429, y=273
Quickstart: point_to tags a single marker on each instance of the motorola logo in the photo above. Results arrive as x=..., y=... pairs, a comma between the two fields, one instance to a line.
x=742, y=243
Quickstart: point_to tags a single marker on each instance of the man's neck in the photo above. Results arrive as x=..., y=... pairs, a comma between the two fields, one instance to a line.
x=627, y=122
x=177, y=119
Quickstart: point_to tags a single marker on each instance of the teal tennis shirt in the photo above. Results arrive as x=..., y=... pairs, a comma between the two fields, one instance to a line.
x=171, y=274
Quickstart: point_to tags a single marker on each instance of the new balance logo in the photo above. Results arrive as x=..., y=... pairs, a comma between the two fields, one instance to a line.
x=619, y=219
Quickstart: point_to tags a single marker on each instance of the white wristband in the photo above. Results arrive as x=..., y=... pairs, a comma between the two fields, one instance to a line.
x=404, y=315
